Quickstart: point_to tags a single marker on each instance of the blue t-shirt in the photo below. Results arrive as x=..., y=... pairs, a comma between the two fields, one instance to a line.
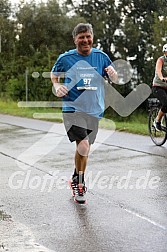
x=85, y=71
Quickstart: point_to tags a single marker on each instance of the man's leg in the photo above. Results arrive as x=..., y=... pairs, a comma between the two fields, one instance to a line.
x=81, y=157
x=77, y=182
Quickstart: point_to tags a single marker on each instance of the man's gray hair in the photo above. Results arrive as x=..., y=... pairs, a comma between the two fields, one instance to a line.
x=81, y=27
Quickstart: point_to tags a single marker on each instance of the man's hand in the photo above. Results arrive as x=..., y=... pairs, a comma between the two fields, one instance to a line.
x=61, y=90
x=111, y=73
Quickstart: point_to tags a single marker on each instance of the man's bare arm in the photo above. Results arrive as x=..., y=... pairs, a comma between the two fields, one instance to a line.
x=60, y=89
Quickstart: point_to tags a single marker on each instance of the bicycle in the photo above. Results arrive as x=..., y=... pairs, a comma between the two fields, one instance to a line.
x=158, y=137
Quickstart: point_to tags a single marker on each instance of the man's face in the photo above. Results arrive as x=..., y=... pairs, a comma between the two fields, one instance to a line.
x=83, y=42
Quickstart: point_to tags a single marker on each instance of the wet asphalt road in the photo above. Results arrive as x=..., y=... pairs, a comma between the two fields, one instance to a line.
x=126, y=206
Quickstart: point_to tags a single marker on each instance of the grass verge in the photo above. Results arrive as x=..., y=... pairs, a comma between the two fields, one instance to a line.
x=135, y=123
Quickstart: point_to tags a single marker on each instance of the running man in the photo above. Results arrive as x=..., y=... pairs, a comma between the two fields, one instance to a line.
x=82, y=92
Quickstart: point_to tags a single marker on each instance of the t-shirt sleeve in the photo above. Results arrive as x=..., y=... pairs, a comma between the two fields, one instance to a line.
x=58, y=68
x=109, y=62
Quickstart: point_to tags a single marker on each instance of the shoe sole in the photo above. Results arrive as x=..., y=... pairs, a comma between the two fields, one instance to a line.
x=80, y=202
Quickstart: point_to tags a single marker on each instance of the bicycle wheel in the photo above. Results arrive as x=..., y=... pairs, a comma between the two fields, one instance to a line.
x=158, y=137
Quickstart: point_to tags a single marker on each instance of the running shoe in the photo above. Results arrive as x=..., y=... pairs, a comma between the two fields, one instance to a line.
x=80, y=194
x=78, y=190
x=73, y=182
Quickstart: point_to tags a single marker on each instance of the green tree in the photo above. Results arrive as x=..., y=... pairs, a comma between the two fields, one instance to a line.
x=105, y=19
x=7, y=42
x=40, y=33
x=158, y=36
x=138, y=28
x=44, y=27
x=124, y=30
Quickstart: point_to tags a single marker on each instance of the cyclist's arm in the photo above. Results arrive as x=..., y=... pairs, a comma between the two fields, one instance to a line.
x=159, y=69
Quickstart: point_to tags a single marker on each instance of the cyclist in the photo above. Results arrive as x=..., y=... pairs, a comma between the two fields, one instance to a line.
x=159, y=87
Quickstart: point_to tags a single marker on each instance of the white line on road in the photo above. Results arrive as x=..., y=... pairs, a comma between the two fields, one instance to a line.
x=145, y=218
x=133, y=212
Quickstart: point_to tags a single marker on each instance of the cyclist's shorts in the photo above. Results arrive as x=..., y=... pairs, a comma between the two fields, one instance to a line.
x=161, y=94
x=80, y=125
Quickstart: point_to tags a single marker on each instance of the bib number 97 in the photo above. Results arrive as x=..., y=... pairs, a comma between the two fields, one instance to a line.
x=87, y=81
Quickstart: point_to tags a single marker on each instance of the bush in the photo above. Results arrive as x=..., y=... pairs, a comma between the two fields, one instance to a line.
x=16, y=89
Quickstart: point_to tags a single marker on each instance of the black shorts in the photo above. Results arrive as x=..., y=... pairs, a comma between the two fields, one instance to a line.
x=80, y=125
x=161, y=94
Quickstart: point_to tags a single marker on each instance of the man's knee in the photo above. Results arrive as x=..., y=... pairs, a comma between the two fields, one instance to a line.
x=83, y=147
